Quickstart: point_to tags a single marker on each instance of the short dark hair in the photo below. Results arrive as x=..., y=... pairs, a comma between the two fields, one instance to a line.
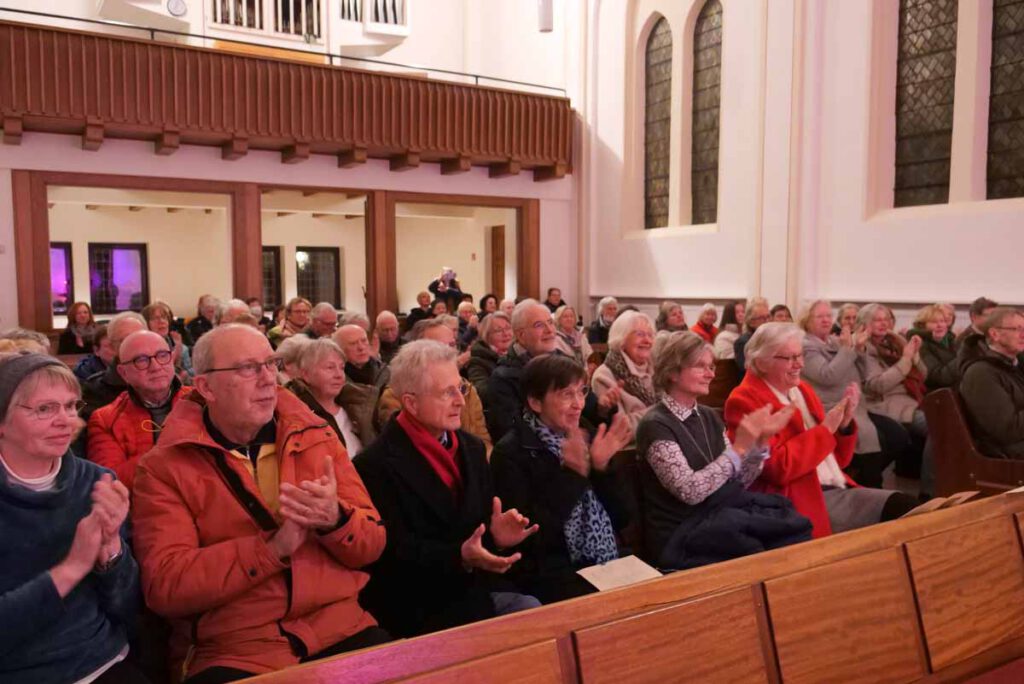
x=552, y=289
x=550, y=372
x=99, y=335
x=483, y=301
x=979, y=305
x=777, y=308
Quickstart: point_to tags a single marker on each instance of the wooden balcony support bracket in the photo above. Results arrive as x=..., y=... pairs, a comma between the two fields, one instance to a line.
x=460, y=164
x=168, y=141
x=352, y=157
x=554, y=172
x=407, y=160
x=92, y=136
x=236, y=148
x=512, y=167
x=13, y=129
x=295, y=153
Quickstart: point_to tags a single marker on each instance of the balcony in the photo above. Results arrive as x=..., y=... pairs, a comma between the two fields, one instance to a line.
x=103, y=86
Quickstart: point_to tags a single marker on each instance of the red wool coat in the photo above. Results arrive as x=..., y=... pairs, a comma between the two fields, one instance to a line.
x=795, y=451
x=121, y=433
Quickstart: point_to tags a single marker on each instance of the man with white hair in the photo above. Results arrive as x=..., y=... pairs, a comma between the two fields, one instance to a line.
x=365, y=376
x=251, y=522
x=386, y=333
x=431, y=482
x=230, y=311
x=103, y=387
x=323, y=321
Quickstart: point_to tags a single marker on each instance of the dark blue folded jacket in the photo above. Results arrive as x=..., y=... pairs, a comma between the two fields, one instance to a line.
x=44, y=638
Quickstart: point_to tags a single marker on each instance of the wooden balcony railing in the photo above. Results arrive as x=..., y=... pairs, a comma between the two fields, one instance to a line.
x=99, y=86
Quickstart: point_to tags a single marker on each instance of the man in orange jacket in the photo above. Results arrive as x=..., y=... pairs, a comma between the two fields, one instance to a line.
x=251, y=523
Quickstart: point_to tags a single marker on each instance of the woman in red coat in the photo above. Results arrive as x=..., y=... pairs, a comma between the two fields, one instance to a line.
x=809, y=454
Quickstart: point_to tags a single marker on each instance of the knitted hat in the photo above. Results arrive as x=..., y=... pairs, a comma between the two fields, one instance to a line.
x=14, y=370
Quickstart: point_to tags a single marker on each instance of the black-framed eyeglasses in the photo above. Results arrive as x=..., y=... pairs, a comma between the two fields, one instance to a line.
x=142, y=362
x=252, y=369
x=50, y=409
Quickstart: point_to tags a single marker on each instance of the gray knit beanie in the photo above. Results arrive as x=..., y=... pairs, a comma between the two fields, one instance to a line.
x=13, y=372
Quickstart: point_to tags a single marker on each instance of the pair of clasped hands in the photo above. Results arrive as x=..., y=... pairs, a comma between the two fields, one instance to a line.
x=310, y=505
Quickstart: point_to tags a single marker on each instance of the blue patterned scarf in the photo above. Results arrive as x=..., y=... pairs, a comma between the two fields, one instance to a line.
x=588, y=530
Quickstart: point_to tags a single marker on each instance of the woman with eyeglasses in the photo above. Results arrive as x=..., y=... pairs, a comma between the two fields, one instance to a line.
x=807, y=456
x=123, y=431
x=321, y=376
x=628, y=365
x=159, y=318
x=69, y=585
x=494, y=342
x=554, y=474
x=693, y=480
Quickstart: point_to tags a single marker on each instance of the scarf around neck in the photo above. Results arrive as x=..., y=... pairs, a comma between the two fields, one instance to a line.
x=639, y=386
x=442, y=459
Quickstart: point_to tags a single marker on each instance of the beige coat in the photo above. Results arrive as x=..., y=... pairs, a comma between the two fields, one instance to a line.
x=472, y=415
x=884, y=391
x=632, y=407
x=828, y=369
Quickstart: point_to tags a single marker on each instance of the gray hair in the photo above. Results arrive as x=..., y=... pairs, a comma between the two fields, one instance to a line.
x=24, y=334
x=674, y=352
x=996, y=317
x=290, y=349
x=767, y=339
x=449, y=320
x=321, y=307
x=410, y=364
x=484, y=329
x=383, y=315
x=421, y=327
x=117, y=321
x=224, y=308
x=465, y=306
x=522, y=309
x=868, y=311
x=804, y=320
x=202, y=354
x=354, y=318
x=605, y=301
x=625, y=324
x=309, y=355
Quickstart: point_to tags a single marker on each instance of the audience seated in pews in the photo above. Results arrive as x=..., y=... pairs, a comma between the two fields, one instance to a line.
x=385, y=332
x=446, y=288
x=20, y=339
x=77, y=337
x=273, y=581
x=607, y=310
x=670, y=317
x=978, y=311
x=472, y=414
x=432, y=484
x=493, y=343
x=554, y=300
x=693, y=480
x=893, y=385
x=808, y=454
x=206, y=309
x=421, y=312
x=705, y=326
x=69, y=586
x=546, y=470
x=830, y=365
x=102, y=388
x=992, y=383
x=102, y=356
x=757, y=312
x=296, y=318
x=124, y=430
x=320, y=379
x=570, y=339
x=733, y=318
x=323, y=321
x=846, y=317
x=627, y=368
x=938, y=347
x=158, y=317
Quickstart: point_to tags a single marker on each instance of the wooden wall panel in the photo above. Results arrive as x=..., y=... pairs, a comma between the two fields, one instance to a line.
x=970, y=589
x=381, y=257
x=528, y=250
x=853, y=620
x=536, y=664
x=31, y=251
x=247, y=241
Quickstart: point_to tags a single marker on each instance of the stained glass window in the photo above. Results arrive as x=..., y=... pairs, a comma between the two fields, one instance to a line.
x=318, y=274
x=657, y=123
x=707, y=81
x=62, y=286
x=118, y=277
x=271, y=277
x=1006, y=101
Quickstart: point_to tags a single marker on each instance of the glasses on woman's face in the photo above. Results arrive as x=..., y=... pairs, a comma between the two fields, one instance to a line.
x=569, y=394
x=142, y=362
x=791, y=359
x=50, y=409
x=252, y=369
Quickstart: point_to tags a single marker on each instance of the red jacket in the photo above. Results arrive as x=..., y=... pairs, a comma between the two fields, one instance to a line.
x=795, y=451
x=121, y=432
x=706, y=334
x=204, y=556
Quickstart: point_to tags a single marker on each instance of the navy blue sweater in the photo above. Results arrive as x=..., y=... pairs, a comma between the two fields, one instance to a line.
x=44, y=638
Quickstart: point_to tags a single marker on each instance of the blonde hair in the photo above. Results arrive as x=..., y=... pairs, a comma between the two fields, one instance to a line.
x=804, y=321
x=927, y=313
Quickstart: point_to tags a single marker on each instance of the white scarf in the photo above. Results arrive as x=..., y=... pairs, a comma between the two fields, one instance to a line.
x=829, y=472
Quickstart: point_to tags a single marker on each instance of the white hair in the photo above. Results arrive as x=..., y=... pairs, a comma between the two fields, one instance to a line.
x=309, y=355
x=224, y=308
x=290, y=349
x=321, y=307
x=522, y=309
x=767, y=339
x=625, y=324
x=410, y=364
x=383, y=315
x=486, y=324
x=202, y=354
x=354, y=318
x=605, y=301
x=118, y=320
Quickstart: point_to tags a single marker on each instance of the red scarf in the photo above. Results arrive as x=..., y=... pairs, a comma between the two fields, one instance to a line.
x=441, y=459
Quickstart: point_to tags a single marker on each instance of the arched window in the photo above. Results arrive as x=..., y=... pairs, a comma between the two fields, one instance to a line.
x=926, y=69
x=1006, y=102
x=707, y=97
x=657, y=120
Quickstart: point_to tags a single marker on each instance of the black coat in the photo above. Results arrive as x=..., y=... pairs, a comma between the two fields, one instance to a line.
x=66, y=344
x=597, y=333
x=482, y=362
x=419, y=584
x=529, y=478
x=198, y=327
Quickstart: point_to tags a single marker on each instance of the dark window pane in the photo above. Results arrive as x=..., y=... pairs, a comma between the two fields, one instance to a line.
x=62, y=287
x=271, y=277
x=707, y=99
x=318, y=274
x=926, y=68
x=1006, y=101
x=657, y=121
x=118, y=277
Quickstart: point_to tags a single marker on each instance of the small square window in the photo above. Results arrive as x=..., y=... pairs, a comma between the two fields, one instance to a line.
x=118, y=277
x=318, y=274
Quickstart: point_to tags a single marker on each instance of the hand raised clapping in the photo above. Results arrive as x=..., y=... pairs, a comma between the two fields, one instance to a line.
x=509, y=528
x=609, y=440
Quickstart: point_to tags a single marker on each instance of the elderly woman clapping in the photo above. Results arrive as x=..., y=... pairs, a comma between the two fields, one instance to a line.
x=693, y=479
x=69, y=585
x=808, y=455
x=628, y=365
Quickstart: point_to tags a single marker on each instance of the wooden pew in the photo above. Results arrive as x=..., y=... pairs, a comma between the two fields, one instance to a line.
x=959, y=466
x=936, y=597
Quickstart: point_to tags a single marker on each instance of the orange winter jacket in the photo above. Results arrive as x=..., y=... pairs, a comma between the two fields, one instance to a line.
x=122, y=432
x=201, y=531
